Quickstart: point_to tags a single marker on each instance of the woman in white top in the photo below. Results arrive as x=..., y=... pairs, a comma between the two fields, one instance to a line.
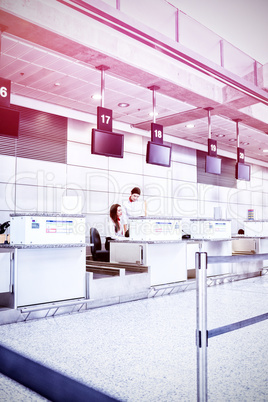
x=116, y=224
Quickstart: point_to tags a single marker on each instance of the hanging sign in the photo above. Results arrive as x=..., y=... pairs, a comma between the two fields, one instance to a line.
x=212, y=147
x=5, y=89
x=240, y=155
x=104, y=119
x=156, y=133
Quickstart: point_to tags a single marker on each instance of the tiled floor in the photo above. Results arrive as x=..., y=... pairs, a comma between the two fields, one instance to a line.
x=145, y=350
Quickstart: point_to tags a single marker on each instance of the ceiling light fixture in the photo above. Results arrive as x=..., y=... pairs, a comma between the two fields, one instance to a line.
x=265, y=150
x=57, y=84
x=123, y=104
x=152, y=114
x=96, y=96
x=232, y=139
x=220, y=135
x=190, y=125
x=244, y=143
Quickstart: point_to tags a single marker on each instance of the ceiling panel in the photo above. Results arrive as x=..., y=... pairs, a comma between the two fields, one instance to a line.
x=34, y=71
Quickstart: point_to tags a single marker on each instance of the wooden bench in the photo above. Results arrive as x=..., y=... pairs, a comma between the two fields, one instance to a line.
x=135, y=268
x=103, y=271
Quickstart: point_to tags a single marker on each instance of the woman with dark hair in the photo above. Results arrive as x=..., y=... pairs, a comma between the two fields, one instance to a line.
x=116, y=225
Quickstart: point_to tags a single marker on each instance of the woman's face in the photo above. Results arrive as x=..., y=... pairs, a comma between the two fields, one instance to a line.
x=119, y=212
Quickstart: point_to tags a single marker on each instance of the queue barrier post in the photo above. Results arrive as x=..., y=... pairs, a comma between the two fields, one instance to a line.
x=201, y=324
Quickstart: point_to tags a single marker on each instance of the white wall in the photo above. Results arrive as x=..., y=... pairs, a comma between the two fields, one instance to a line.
x=38, y=186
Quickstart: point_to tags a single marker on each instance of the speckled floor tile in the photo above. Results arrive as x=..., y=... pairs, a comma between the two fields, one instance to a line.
x=145, y=350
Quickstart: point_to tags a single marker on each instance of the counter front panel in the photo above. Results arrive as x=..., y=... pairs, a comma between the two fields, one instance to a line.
x=155, y=228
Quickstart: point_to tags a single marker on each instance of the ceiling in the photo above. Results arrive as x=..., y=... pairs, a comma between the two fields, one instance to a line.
x=37, y=72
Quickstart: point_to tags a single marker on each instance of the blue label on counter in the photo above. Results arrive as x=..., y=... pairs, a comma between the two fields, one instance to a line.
x=35, y=225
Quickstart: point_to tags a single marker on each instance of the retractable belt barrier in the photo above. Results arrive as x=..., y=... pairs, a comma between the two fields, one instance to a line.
x=202, y=333
x=46, y=382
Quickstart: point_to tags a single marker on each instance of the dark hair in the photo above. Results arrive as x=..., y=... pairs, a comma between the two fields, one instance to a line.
x=136, y=190
x=113, y=216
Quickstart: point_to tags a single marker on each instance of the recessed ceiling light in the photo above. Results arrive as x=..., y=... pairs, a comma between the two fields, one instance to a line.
x=265, y=150
x=232, y=139
x=96, y=96
x=190, y=125
x=244, y=143
x=123, y=104
x=220, y=135
x=152, y=114
x=57, y=84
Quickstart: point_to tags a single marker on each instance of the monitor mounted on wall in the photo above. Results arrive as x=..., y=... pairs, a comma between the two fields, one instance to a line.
x=213, y=164
x=158, y=154
x=107, y=143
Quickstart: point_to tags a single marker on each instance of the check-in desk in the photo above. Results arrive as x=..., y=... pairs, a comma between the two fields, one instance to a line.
x=212, y=236
x=254, y=241
x=258, y=229
x=156, y=242
x=45, y=260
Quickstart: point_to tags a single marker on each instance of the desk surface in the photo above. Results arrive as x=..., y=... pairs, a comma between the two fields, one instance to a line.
x=125, y=240
x=167, y=218
x=34, y=246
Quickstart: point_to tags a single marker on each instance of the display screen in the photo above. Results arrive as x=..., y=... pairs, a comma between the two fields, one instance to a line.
x=242, y=171
x=9, y=122
x=213, y=164
x=107, y=143
x=158, y=154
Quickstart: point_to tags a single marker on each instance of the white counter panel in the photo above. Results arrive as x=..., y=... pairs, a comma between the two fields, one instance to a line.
x=38, y=229
x=167, y=260
x=5, y=272
x=217, y=248
x=155, y=229
x=48, y=274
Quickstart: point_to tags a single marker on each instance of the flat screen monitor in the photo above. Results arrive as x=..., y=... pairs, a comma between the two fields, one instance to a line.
x=242, y=171
x=213, y=164
x=107, y=143
x=158, y=154
x=9, y=122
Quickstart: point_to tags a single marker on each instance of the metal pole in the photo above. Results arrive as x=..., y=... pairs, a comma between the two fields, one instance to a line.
x=237, y=131
x=102, y=86
x=154, y=105
x=154, y=88
x=209, y=120
x=102, y=68
x=201, y=324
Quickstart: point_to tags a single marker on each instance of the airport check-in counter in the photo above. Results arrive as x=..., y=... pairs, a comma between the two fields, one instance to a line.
x=254, y=241
x=212, y=236
x=156, y=242
x=45, y=260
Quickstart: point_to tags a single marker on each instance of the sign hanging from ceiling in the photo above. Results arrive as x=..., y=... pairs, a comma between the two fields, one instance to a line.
x=157, y=133
x=5, y=89
x=104, y=119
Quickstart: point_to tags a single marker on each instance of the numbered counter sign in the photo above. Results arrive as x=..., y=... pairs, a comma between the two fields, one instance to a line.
x=5, y=87
x=104, y=119
x=240, y=155
x=212, y=147
x=156, y=133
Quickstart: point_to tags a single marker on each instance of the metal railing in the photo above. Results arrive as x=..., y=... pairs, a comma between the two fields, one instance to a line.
x=202, y=333
x=48, y=383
